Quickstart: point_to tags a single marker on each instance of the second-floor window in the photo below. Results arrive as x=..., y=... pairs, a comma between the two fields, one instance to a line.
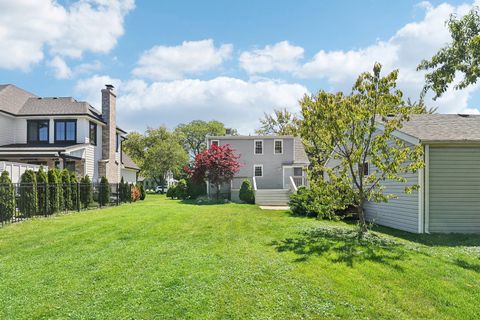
x=37, y=131
x=65, y=130
x=258, y=147
x=278, y=147
x=215, y=143
x=93, y=133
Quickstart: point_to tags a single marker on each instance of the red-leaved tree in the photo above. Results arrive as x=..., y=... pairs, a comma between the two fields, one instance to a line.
x=216, y=165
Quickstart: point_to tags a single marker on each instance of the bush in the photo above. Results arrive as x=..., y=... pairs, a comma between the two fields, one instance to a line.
x=28, y=204
x=104, y=192
x=86, y=191
x=74, y=196
x=43, y=190
x=124, y=190
x=314, y=203
x=171, y=192
x=134, y=193
x=55, y=190
x=196, y=189
x=7, y=197
x=246, y=192
x=67, y=190
x=181, y=189
x=142, y=192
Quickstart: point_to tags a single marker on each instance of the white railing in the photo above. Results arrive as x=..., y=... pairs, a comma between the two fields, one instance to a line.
x=299, y=181
x=254, y=184
x=293, y=186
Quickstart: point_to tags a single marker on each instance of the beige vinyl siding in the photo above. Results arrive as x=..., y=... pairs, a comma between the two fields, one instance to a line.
x=454, y=197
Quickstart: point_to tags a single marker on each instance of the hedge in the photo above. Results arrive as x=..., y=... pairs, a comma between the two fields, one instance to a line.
x=7, y=197
x=43, y=190
x=28, y=204
x=74, y=196
x=104, y=197
x=86, y=191
x=246, y=192
x=67, y=190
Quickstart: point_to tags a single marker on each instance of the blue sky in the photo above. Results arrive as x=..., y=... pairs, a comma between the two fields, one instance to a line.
x=175, y=61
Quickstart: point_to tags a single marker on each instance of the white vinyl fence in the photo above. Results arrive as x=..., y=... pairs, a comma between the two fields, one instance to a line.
x=16, y=169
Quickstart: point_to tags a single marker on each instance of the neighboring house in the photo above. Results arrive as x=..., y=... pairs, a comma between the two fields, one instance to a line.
x=274, y=164
x=448, y=199
x=63, y=132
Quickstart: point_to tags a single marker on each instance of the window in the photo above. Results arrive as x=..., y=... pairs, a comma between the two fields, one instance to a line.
x=37, y=131
x=117, y=137
x=70, y=166
x=215, y=143
x=258, y=147
x=65, y=130
x=93, y=133
x=297, y=172
x=278, y=146
x=364, y=168
x=258, y=170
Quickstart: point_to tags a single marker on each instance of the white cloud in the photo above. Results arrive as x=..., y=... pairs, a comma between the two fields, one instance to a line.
x=60, y=68
x=30, y=27
x=281, y=56
x=236, y=102
x=191, y=57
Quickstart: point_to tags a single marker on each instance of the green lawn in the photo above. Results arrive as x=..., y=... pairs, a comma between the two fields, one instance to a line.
x=162, y=259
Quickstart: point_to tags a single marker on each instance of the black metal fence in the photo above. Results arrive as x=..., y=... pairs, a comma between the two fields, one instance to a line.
x=20, y=201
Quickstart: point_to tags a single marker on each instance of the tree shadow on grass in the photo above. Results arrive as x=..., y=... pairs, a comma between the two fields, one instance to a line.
x=468, y=265
x=343, y=245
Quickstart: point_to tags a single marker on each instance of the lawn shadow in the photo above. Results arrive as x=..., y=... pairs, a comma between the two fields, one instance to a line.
x=203, y=202
x=343, y=245
x=468, y=265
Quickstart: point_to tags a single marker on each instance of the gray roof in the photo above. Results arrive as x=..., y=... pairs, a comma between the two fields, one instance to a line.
x=128, y=162
x=13, y=98
x=300, y=154
x=443, y=127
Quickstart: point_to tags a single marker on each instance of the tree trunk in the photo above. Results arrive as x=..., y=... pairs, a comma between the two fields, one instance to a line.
x=218, y=192
x=361, y=218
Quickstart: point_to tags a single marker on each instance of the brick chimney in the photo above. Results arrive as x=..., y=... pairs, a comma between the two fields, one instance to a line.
x=108, y=166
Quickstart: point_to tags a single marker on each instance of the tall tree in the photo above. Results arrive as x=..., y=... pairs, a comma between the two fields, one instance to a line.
x=346, y=129
x=461, y=56
x=194, y=133
x=157, y=152
x=281, y=122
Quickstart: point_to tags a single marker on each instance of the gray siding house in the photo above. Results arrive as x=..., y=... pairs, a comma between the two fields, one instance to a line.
x=274, y=164
x=448, y=199
x=65, y=133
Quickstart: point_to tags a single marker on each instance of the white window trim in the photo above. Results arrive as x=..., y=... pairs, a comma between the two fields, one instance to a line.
x=211, y=142
x=255, y=145
x=274, y=143
x=257, y=165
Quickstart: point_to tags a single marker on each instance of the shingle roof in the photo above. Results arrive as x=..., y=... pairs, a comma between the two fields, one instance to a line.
x=300, y=154
x=12, y=98
x=128, y=162
x=443, y=127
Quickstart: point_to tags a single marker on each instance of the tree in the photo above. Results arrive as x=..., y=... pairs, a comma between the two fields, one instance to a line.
x=104, y=196
x=67, y=190
x=157, y=152
x=281, y=122
x=56, y=190
x=28, y=204
x=217, y=165
x=7, y=197
x=43, y=189
x=462, y=56
x=194, y=134
x=346, y=128
x=86, y=191
x=75, y=197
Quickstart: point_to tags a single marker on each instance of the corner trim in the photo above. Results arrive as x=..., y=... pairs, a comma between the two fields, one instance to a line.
x=427, y=189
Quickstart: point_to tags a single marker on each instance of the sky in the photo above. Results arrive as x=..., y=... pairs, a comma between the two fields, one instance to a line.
x=175, y=61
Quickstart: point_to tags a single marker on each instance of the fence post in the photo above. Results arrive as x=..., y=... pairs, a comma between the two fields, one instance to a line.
x=118, y=192
x=78, y=196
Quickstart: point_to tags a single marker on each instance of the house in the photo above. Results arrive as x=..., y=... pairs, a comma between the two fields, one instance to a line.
x=448, y=199
x=274, y=164
x=64, y=133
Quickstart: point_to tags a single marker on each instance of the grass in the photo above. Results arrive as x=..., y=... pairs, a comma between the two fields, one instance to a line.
x=162, y=259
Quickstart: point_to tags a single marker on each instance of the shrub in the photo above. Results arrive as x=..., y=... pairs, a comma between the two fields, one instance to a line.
x=312, y=203
x=181, y=189
x=86, y=191
x=43, y=190
x=246, y=192
x=7, y=197
x=104, y=196
x=55, y=190
x=28, y=204
x=74, y=194
x=171, y=192
x=142, y=192
x=134, y=193
x=67, y=190
x=196, y=189
x=124, y=190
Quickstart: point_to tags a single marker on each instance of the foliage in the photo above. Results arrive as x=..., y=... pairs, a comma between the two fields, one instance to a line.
x=104, y=197
x=194, y=134
x=28, y=203
x=171, y=192
x=134, y=192
x=157, y=153
x=142, y=192
x=56, y=190
x=462, y=55
x=217, y=165
x=124, y=191
x=67, y=190
x=345, y=127
x=43, y=190
x=7, y=197
x=181, y=189
x=281, y=122
x=86, y=191
x=74, y=192
x=246, y=192
x=196, y=189
x=316, y=202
